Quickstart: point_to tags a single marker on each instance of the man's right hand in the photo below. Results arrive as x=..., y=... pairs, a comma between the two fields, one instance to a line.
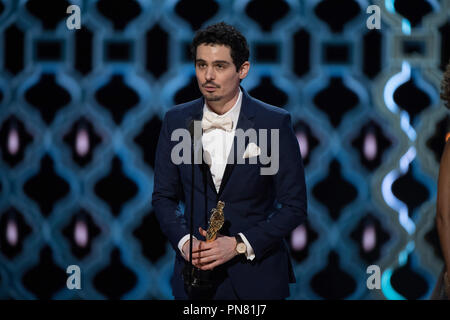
x=196, y=246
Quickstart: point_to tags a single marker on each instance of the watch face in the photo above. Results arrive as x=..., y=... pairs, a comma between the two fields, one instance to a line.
x=241, y=247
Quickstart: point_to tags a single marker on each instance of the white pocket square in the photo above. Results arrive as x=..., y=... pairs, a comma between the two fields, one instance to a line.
x=252, y=151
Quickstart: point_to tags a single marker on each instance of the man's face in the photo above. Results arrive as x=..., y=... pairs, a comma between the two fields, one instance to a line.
x=216, y=73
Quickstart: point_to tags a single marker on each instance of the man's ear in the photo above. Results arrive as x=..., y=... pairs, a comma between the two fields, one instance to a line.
x=243, y=70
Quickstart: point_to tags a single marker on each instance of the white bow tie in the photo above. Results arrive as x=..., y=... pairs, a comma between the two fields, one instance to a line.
x=211, y=121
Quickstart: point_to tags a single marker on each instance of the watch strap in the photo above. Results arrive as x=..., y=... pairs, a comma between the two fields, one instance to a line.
x=238, y=238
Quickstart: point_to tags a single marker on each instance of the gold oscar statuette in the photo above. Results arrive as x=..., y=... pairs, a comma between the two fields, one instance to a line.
x=199, y=284
x=215, y=222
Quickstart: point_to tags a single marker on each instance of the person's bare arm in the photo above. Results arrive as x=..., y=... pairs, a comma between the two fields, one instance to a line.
x=443, y=207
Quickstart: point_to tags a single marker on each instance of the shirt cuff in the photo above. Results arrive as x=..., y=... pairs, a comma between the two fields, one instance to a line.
x=250, y=254
x=182, y=242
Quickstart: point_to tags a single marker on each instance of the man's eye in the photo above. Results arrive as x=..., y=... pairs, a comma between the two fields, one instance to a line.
x=220, y=66
x=201, y=65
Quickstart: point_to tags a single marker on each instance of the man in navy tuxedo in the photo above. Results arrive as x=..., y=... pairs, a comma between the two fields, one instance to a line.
x=263, y=202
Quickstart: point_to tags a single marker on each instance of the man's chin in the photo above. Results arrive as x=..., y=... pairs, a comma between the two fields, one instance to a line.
x=209, y=97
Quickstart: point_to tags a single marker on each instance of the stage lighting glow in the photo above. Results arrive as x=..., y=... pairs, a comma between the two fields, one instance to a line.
x=393, y=83
x=299, y=238
x=81, y=234
x=12, y=234
x=389, y=4
x=406, y=27
x=369, y=238
x=370, y=146
x=13, y=141
x=303, y=143
x=391, y=200
x=386, y=286
x=82, y=142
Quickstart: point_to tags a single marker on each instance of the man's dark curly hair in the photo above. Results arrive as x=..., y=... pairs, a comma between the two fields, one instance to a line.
x=224, y=34
x=445, y=86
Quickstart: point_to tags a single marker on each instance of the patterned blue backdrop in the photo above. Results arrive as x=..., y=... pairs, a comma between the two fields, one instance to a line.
x=81, y=110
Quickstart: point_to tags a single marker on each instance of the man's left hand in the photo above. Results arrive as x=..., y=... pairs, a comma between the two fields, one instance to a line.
x=214, y=253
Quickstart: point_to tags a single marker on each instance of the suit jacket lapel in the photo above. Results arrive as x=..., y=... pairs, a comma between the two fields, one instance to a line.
x=244, y=123
x=196, y=115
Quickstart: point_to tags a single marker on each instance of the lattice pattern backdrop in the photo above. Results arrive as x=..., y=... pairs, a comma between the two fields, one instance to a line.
x=81, y=110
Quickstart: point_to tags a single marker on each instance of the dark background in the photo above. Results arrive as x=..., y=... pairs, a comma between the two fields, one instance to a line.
x=81, y=110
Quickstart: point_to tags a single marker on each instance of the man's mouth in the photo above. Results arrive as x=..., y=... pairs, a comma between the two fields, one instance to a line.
x=210, y=89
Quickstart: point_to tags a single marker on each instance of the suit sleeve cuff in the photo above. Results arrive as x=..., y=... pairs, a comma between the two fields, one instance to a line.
x=182, y=242
x=250, y=254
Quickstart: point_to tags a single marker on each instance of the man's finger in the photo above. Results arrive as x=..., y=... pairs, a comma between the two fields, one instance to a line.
x=196, y=262
x=205, y=260
x=199, y=246
x=202, y=232
x=203, y=253
x=211, y=266
x=205, y=246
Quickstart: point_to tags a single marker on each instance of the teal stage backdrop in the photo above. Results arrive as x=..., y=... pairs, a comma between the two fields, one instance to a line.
x=81, y=110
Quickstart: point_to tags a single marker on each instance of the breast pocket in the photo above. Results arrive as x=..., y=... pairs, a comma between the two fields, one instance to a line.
x=248, y=178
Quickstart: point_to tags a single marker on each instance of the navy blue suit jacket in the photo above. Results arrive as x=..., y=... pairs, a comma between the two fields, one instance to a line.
x=265, y=208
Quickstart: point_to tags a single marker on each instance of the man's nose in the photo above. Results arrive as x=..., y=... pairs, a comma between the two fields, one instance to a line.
x=210, y=75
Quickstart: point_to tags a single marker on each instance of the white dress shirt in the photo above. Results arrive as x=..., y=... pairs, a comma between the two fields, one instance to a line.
x=217, y=145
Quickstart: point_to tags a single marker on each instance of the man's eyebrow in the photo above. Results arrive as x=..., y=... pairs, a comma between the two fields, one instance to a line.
x=221, y=61
x=216, y=62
